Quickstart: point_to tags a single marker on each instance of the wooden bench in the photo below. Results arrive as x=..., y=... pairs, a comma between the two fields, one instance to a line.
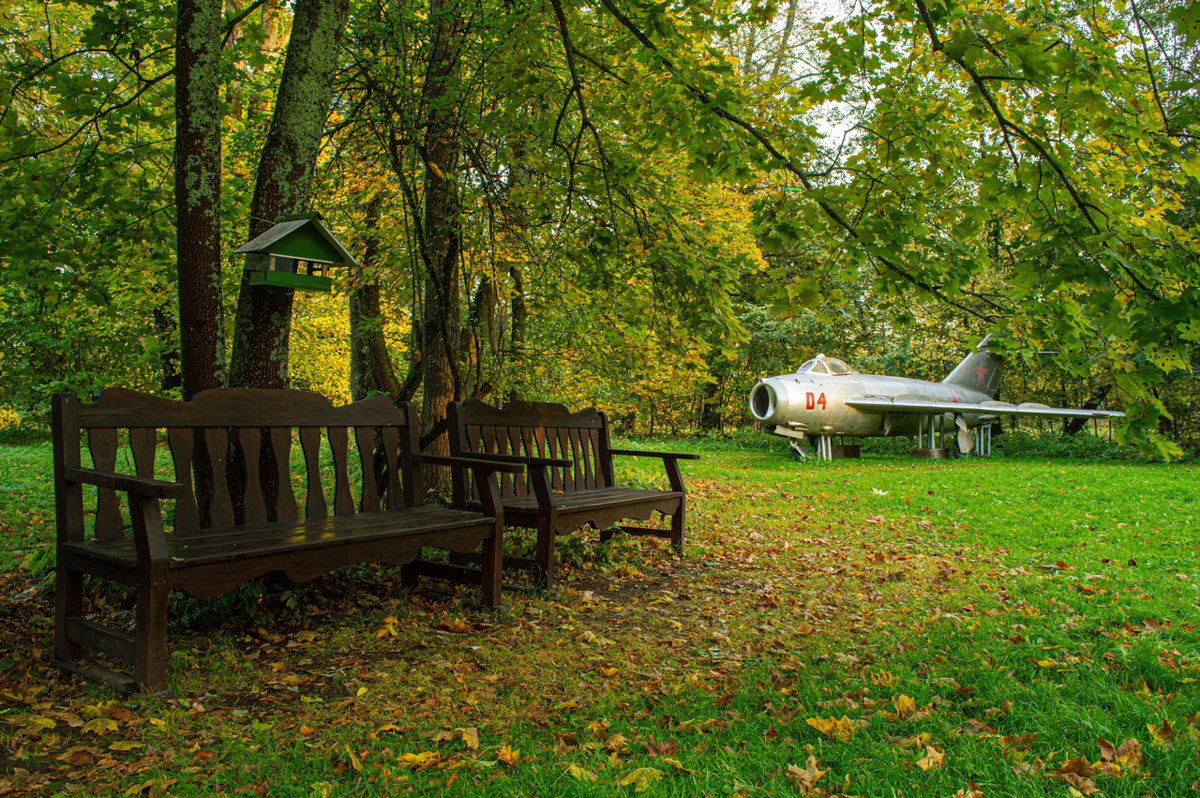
x=232, y=523
x=569, y=480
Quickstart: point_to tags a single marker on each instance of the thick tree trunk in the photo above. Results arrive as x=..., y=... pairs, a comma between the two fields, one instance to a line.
x=370, y=364
x=442, y=236
x=284, y=184
x=518, y=325
x=198, y=194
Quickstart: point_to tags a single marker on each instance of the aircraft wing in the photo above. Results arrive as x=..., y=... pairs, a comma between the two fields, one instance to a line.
x=883, y=404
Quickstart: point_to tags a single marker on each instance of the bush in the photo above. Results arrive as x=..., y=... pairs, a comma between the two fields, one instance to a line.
x=1053, y=445
x=18, y=429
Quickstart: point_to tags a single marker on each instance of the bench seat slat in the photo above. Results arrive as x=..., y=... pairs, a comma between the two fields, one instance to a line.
x=204, y=548
x=598, y=497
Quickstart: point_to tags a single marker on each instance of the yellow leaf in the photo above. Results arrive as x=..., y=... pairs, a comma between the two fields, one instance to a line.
x=362, y=691
x=37, y=723
x=470, y=736
x=839, y=730
x=804, y=779
x=883, y=679
x=125, y=745
x=576, y=772
x=1163, y=735
x=932, y=759
x=420, y=761
x=640, y=779
x=905, y=706
x=100, y=725
x=675, y=763
x=616, y=743
x=355, y=762
x=508, y=756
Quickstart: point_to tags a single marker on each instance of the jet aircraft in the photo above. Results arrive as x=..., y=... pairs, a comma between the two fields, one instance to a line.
x=826, y=398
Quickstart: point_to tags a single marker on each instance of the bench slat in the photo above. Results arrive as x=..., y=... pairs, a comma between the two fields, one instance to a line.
x=390, y=438
x=201, y=548
x=102, y=443
x=364, y=440
x=594, y=437
x=220, y=512
x=254, y=506
x=314, y=503
x=564, y=451
x=142, y=442
x=285, y=497
x=179, y=441
x=339, y=443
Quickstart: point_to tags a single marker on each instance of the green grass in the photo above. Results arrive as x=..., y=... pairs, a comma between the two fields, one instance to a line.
x=1027, y=607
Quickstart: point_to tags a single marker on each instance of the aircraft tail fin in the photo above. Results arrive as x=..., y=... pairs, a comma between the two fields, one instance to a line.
x=979, y=371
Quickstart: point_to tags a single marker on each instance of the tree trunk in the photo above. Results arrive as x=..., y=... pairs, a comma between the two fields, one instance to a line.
x=442, y=236
x=370, y=364
x=198, y=194
x=519, y=323
x=284, y=184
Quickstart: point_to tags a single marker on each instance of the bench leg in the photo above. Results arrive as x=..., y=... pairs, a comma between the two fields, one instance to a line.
x=677, y=527
x=543, y=575
x=150, y=638
x=410, y=574
x=606, y=535
x=492, y=569
x=68, y=604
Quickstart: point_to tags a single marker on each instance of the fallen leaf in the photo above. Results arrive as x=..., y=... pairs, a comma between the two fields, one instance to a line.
x=932, y=759
x=640, y=779
x=509, y=756
x=576, y=772
x=1075, y=773
x=840, y=730
x=805, y=779
x=1163, y=735
x=905, y=706
x=100, y=725
x=421, y=761
x=883, y=679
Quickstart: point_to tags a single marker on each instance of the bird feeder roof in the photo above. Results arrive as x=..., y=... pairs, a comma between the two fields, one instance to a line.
x=303, y=237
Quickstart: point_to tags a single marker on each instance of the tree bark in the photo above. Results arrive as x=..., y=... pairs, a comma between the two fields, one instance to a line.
x=442, y=236
x=370, y=364
x=198, y=194
x=284, y=184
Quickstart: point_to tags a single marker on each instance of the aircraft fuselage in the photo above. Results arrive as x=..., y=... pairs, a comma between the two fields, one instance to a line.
x=816, y=404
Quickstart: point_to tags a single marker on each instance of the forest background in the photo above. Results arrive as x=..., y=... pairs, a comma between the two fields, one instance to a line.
x=644, y=206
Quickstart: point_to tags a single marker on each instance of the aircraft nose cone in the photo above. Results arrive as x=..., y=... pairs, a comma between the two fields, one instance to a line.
x=764, y=402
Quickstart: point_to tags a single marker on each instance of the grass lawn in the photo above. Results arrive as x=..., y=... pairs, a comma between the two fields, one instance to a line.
x=877, y=627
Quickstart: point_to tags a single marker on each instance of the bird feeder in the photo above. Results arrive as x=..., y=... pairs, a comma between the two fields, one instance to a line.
x=295, y=254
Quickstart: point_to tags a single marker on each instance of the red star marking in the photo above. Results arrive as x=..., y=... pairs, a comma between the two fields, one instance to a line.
x=980, y=374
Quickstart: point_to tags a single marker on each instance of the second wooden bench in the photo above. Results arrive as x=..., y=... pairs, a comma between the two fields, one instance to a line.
x=569, y=481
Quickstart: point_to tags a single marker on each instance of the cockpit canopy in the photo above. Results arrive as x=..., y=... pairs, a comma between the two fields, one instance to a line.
x=824, y=365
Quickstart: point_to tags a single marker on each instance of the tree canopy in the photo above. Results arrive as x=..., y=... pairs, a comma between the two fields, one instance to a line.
x=638, y=204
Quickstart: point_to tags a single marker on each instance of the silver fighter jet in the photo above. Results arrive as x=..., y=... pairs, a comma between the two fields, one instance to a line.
x=825, y=398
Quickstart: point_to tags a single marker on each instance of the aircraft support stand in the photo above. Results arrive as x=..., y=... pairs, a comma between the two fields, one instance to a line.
x=828, y=451
x=932, y=451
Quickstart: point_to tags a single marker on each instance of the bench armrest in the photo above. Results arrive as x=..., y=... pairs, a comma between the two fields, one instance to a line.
x=660, y=455
x=469, y=462
x=142, y=486
x=550, y=462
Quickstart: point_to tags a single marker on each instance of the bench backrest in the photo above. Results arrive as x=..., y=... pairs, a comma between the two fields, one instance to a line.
x=232, y=448
x=533, y=429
